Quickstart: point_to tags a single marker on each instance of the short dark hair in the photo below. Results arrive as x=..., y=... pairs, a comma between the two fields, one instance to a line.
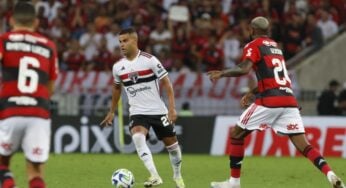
x=24, y=13
x=333, y=83
x=128, y=30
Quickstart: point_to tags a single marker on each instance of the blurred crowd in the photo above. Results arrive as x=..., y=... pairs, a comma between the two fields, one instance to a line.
x=210, y=37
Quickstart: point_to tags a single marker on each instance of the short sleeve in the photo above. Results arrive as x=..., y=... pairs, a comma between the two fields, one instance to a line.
x=116, y=77
x=157, y=68
x=251, y=53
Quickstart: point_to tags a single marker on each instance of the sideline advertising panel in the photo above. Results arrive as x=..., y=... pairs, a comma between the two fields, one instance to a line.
x=328, y=134
x=83, y=134
x=204, y=135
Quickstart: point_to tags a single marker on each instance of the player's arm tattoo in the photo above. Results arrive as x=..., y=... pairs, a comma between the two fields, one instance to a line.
x=254, y=90
x=241, y=69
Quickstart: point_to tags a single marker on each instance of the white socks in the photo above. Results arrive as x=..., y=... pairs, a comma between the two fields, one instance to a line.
x=175, y=157
x=330, y=174
x=144, y=153
x=234, y=181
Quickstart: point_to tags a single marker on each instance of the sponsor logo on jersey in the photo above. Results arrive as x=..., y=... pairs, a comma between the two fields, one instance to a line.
x=286, y=89
x=292, y=127
x=160, y=69
x=133, y=92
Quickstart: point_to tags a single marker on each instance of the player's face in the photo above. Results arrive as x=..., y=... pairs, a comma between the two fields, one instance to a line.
x=127, y=44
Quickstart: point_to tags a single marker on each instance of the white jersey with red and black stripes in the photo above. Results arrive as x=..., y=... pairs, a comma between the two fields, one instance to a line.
x=140, y=78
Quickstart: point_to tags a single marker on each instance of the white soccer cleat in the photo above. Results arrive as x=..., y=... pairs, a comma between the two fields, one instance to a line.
x=179, y=182
x=153, y=182
x=336, y=182
x=223, y=184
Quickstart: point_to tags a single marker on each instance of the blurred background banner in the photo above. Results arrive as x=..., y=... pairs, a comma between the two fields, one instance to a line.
x=326, y=133
x=199, y=134
x=89, y=93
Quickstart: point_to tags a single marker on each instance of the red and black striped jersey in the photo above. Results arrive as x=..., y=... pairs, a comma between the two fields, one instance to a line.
x=28, y=62
x=274, y=84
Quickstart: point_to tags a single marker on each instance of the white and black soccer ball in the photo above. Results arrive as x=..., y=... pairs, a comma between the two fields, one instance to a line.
x=123, y=178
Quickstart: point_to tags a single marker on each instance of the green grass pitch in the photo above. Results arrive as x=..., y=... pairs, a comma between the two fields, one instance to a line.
x=94, y=171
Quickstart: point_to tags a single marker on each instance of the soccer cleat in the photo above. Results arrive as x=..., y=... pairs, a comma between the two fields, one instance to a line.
x=153, y=182
x=179, y=182
x=336, y=182
x=223, y=184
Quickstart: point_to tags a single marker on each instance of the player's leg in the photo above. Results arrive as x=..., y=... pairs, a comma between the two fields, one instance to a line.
x=236, y=157
x=11, y=131
x=36, y=146
x=253, y=118
x=139, y=130
x=175, y=156
x=302, y=145
x=291, y=123
x=166, y=132
x=6, y=177
x=35, y=174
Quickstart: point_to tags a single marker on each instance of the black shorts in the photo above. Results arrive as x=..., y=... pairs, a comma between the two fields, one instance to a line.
x=160, y=124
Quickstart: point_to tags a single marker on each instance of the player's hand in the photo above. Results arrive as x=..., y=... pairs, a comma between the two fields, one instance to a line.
x=246, y=100
x=108, y=121
x=172, y=116
x=214, y=75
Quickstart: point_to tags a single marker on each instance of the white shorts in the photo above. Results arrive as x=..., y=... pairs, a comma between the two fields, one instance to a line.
x=31, y=132
x=281, y=120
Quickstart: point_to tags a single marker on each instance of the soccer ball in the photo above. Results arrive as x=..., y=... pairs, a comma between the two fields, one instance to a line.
x=123, y=178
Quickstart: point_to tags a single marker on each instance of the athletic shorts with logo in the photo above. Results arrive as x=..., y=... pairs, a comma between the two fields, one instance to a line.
x=160, y=124
x=285, y=120
x=32, y=133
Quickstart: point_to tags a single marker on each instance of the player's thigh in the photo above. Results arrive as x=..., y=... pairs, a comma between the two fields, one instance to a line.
x=289, y=122
x=11, y=133
x=257, y=117
x=36, y=141
x=162, y=127
x=139, y=123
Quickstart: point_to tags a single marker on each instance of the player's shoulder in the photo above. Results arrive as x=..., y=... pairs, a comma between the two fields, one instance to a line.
x=145, y=55
x=119, y=64
x=27, y=36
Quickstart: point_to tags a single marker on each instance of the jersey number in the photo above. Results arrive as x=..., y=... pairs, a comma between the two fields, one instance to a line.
x=28, y=77
x=165, y=121
x=280, y=67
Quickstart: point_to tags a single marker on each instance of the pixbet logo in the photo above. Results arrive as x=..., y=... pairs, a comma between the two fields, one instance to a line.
x=88, y=138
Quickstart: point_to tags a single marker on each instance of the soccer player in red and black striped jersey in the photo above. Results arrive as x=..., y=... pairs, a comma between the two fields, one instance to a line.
x=29, y=68
x=275, y=105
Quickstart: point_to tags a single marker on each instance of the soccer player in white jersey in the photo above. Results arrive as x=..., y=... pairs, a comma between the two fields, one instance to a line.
x=140, y=73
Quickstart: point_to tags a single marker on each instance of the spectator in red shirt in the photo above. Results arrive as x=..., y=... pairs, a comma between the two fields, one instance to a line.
x=74, y=57
x=103, y=57
x=212, y=56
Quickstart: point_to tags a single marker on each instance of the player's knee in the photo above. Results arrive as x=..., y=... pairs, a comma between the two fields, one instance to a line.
x=138, y=138
x=237, y=133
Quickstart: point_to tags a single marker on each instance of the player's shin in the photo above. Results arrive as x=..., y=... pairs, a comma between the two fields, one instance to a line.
x=316, y=158
x=37, y=182
x=236, y=158
x=175, y=158
x=144, y=153
x=6, y=177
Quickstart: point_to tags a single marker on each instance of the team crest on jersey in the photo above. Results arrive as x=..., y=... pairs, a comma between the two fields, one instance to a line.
x=133, y=76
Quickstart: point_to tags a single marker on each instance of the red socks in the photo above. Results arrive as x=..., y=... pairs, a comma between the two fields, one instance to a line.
x=236, y=157
x=316, y=158
x=37, y=182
